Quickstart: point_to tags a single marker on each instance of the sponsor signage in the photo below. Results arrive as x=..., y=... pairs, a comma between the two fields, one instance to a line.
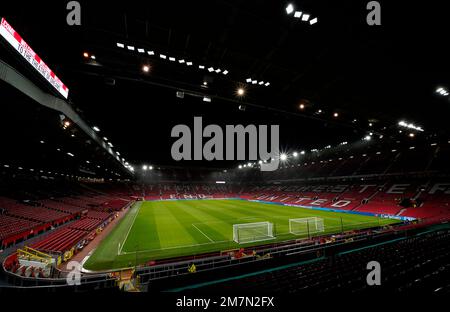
x=17, y=42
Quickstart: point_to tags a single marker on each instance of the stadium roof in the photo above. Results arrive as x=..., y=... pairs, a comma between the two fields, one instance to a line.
x=372, y=77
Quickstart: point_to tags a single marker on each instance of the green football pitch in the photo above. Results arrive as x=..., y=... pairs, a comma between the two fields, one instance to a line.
x=157, y=230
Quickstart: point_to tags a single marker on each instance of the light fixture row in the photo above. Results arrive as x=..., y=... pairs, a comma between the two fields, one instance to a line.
x=303, y=16
x=172, y=58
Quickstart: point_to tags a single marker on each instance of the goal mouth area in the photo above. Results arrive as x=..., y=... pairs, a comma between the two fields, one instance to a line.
x=246, y=233
x=306, y=226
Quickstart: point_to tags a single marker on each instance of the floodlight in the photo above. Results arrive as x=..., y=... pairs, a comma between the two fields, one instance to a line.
x=289, y=8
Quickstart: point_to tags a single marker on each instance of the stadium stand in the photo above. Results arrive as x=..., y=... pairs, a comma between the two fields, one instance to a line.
x=417, y=264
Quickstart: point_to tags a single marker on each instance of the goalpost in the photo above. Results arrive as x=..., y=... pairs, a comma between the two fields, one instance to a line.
x=252, y=232
x=307, y=226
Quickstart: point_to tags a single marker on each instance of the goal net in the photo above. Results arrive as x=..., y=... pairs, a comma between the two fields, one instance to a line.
x=307, y=226
x=252, y=232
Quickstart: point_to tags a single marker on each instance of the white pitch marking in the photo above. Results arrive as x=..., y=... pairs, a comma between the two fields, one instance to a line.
x=203, y=233
x=129, y=230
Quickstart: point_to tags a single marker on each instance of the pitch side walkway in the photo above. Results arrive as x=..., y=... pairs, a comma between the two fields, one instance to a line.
x=79, y=257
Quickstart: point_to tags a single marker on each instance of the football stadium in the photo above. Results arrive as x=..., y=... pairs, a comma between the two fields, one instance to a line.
x=261, y=149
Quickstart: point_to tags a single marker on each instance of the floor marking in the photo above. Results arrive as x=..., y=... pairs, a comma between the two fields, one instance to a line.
x=203, y=233
x=129, y=230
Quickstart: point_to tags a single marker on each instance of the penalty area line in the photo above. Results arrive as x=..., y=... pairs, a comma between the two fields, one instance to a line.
x=212, y=241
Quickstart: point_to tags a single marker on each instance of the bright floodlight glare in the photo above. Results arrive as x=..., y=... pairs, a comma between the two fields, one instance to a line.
x=240, y=91
x=144, y=167
x=283, y=157
x=120, y=45
x=150, y=167
x=86, y=55
x=305, y=17
x=297, y=14
x=302, y=106
x=289, y=8
x=313, y=21
x=336, y=115
x=145, y=68
x=295, y=154
x=240, y=167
